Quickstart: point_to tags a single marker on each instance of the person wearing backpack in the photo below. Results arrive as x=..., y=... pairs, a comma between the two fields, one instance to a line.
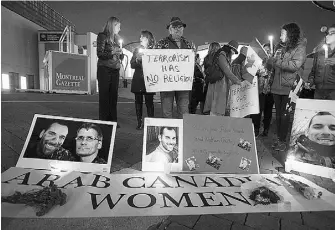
x=220, y=76
x=208, y=60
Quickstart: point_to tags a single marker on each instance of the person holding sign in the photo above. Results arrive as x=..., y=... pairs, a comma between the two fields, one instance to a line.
x=175, y=41
x=109, y=64
x=287, y=63
x=265, y=98
x=138, y=86
x=323, y=71
x=88, y=143
x=218, y=92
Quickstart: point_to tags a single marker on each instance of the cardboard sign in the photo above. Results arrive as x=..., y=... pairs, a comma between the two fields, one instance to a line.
x=312, y=142
x=244, y=98
x=219, y=144
x=151, y=194
x=168, y=69
x=68, y=144
x=162, y=145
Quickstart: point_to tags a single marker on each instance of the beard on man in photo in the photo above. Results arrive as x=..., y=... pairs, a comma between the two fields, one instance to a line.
x=317, y=145
x=49, y=144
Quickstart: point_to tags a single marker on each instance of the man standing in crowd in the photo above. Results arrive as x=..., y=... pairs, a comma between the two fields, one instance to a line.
x=167, y=141
x=88, y=143
x=323, y=71
x=49, y=145
x=175, y=41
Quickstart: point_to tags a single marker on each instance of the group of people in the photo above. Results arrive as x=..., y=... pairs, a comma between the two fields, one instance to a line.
x=51, y=139
x=275, y=78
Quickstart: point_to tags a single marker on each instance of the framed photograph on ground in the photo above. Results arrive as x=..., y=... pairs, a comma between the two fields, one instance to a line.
x=162, y=145
x=68, y=144
x=312, y=141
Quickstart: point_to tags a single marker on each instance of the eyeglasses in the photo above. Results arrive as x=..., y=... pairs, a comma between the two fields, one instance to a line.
x=330, y=33
x=178, y=27
x=88, y=139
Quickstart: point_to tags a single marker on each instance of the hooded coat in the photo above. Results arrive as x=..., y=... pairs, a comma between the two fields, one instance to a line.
x=287, y=67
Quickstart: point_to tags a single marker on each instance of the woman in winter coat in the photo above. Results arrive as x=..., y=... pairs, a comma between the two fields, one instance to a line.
x=138, y=85
x=208, y=60
x=109, y=64
x=287, y=62
x=218, y=92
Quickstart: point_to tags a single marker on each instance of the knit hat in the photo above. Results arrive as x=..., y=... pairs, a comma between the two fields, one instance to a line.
x=244, y=50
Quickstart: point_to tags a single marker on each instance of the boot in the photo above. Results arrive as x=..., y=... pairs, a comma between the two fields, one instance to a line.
x=139, y=116
x=150, y=110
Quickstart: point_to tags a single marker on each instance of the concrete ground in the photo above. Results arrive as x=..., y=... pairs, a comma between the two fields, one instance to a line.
x=18, y=109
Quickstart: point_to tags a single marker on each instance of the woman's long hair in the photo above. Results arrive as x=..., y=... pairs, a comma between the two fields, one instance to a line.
x=213, y=47
x=150, y=37
x=294, y=35
x=109, y=26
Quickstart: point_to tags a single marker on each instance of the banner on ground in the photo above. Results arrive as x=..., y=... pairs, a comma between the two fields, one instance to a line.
x=219, y=144
x=244, y=98
x=151, y=194
x=168, y=69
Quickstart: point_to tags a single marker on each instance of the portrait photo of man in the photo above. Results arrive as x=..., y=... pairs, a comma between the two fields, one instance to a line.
x=49, y=143
x=317, y=144
x=88, y=143
x=167, y=149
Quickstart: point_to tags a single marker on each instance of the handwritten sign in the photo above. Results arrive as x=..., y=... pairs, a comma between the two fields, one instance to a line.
x=244, y=98
x=152, y=194
x=168, y=69
x=218, y=144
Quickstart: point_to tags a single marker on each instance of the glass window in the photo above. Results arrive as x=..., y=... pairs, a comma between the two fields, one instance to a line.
x=23, y=82
x=4, y=81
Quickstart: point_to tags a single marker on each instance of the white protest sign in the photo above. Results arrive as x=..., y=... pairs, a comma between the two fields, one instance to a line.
x=244, y=99
x=168, y=69
x=152, y=194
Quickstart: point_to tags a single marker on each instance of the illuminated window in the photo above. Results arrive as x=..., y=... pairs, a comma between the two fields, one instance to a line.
x=23, y=82
x=4, y=81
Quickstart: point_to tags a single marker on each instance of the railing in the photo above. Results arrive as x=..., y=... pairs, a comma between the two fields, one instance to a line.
x=67, y=33
x=39, y=13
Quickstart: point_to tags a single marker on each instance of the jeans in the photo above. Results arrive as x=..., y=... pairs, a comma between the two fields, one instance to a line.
x=182, y=100
x=265, y=106
x=282, y=115
x=108, y=84
x=324, y=94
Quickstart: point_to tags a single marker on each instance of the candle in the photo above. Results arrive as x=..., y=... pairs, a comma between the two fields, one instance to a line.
x=326, y=50
x=271, y=43
x=120, y=41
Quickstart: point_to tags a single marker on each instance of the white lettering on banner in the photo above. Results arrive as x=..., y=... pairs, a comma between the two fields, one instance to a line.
x=168, y=69
x=68, y=80
x=146, y=194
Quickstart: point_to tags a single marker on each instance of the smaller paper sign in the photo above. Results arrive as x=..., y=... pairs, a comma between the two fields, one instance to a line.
x=168, y=69
x=218, y=144
x=244, y=99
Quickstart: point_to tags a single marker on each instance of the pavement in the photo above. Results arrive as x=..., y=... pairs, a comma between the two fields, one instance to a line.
x=18, y=109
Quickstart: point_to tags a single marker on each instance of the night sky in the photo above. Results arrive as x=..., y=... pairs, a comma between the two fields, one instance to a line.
x=206, y=21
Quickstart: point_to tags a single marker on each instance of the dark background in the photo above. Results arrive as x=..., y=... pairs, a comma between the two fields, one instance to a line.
x=70, y=142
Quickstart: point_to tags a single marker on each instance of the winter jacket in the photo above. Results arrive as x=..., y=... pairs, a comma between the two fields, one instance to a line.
x=287, y=67
x=105, y=47
x=137, y=84
x=322, y=76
